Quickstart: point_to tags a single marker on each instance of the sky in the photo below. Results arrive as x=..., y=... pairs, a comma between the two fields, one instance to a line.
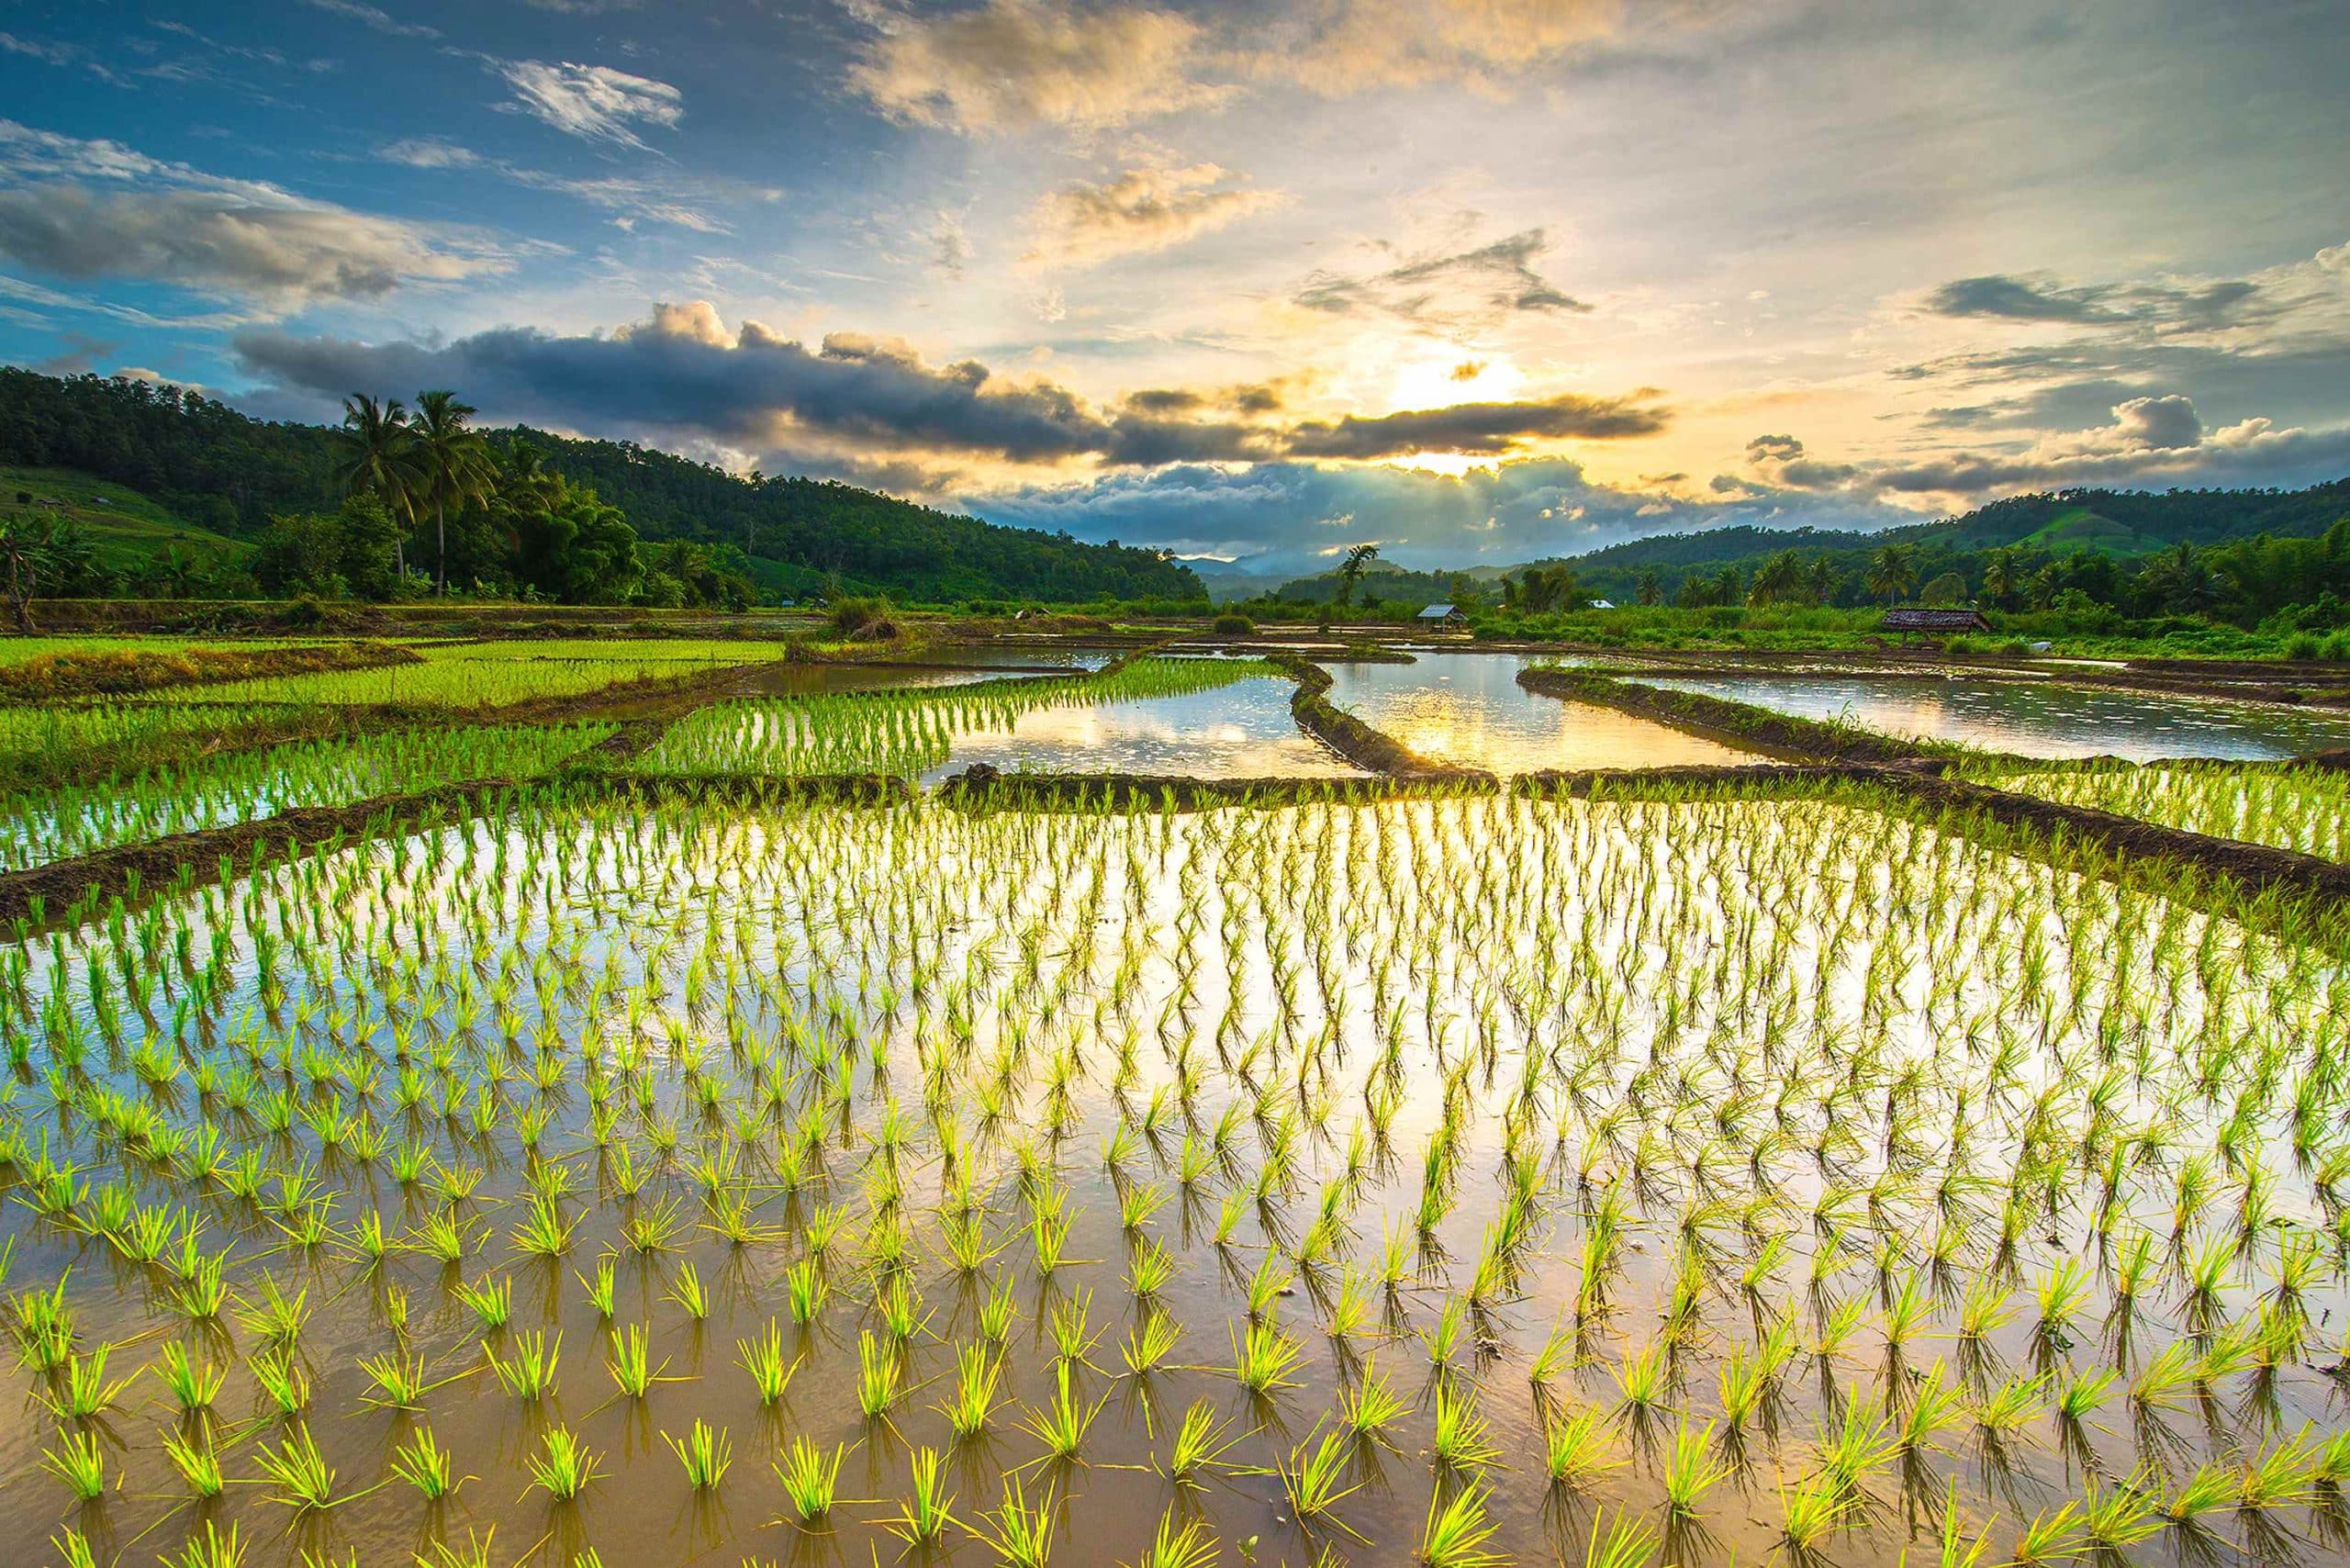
x=1476, y=281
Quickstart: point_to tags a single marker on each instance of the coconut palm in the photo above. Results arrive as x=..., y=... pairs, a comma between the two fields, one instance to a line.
x=376, y=455
x=454, y=466
x=1891, y=573
x=1351, y=572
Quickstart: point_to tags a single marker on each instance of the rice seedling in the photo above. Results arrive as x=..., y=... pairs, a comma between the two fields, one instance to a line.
x=1189, y=1546
x=1314, y=1479
x=707, y=1454
x=1147, y=1347
x=424, y=1464
x=80, y=1462
x=1456, y=1530
x=210, y=1549
x=1017, y=1531
x=563, y=1467
x=198, y=1462
x=763, y=1358
x=1061, y=1424
x=1575, y=1449
x=809, y=1478
x=304, y=1479
x=1264, y=1358
x=529, y=1371
x=1199, y=1443
x=929, y=1510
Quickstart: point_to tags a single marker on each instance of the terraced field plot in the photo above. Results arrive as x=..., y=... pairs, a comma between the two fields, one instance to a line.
x=669, y=1160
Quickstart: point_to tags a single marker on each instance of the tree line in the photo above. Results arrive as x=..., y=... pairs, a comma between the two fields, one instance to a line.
x=699, y=526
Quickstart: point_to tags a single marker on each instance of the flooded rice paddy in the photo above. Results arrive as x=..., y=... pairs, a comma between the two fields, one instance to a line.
x=1243, y=730
x=1468, y=709
x=1474, y=1180
x=1206, y=718
x=2032, y=719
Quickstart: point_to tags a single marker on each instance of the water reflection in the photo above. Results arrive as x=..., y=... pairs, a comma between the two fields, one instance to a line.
x=1240, y=731
x=2032, y=719
x=1468, y=709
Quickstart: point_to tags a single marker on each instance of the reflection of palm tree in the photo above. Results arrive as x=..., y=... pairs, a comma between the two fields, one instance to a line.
x=453, y=461
x=376, y=456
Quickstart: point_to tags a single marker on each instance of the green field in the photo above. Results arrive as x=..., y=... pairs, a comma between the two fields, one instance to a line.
x=125, y=528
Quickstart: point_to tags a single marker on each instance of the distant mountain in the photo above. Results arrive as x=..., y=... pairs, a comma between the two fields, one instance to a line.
x=218, y=470
x=2122, y=523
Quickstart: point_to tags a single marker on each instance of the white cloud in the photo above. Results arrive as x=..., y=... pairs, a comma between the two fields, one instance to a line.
x=373, y=17
x=1014, y=63
x=80, y=209
x=593, y=101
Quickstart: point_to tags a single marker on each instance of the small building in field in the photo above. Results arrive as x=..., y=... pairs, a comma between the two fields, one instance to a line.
x=1913, y=622
x=1442, y=615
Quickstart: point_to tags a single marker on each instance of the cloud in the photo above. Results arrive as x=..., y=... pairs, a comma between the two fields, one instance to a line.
x=1276, y=517
x=1363, y=45
x=1447, y=290
x=682, y=376
x=1477, y=428
x=593, y=101
x=2016, y=299
x=373, y=17
x=1143, y=209
x=2200, y=305
x=428, y=152
x=1011, y=64
x=679, y=200
x=2148, y=437
x=83, y=209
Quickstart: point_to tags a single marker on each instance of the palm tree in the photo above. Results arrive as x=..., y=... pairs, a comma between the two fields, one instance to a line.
x=1356, y=559
x=1891, y=573
x=454, y=464
x=1781, y=578
x=34, y=552
x=376, y=455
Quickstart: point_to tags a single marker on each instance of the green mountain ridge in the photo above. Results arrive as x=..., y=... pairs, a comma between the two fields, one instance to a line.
x=215, y=471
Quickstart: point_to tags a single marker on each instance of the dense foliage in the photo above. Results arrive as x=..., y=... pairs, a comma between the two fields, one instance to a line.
x=792, y=537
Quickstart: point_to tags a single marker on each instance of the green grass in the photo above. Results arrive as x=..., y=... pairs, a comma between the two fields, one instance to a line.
x=125, y=529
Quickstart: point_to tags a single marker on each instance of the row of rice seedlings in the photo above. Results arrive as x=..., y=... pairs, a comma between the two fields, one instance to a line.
x=1277, y=1012
x=246, y=786
x=907, y=732
x=2302, y=809
x=483, y=675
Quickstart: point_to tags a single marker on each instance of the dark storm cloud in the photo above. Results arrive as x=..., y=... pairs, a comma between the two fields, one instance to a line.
x=680, y=374
x=683, y=375
x=1477, y=428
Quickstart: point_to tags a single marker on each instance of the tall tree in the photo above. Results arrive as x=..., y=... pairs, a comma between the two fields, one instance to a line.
x=1351, y=572
x=454, y=462
x=375, y=454
x=1892, y=573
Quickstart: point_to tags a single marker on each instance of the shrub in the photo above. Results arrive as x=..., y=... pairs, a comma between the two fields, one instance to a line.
x=1234, y=626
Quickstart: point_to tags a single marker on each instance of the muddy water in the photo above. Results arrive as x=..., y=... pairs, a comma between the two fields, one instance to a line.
x=1468, y=709
x=1240, y=731
x=2047, y=721
x=1320, y=982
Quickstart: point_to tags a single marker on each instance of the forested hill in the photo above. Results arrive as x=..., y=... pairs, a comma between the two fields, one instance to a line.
x=223, y=470
x=2123, y=522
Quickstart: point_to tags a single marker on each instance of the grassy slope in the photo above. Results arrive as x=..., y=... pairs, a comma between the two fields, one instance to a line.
x=123, y=526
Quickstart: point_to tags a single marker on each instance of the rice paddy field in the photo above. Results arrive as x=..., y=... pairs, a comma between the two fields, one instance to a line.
x=486, y=674
x=672, y=1160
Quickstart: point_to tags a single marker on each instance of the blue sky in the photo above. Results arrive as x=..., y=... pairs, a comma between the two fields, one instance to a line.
x=1477, y=280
